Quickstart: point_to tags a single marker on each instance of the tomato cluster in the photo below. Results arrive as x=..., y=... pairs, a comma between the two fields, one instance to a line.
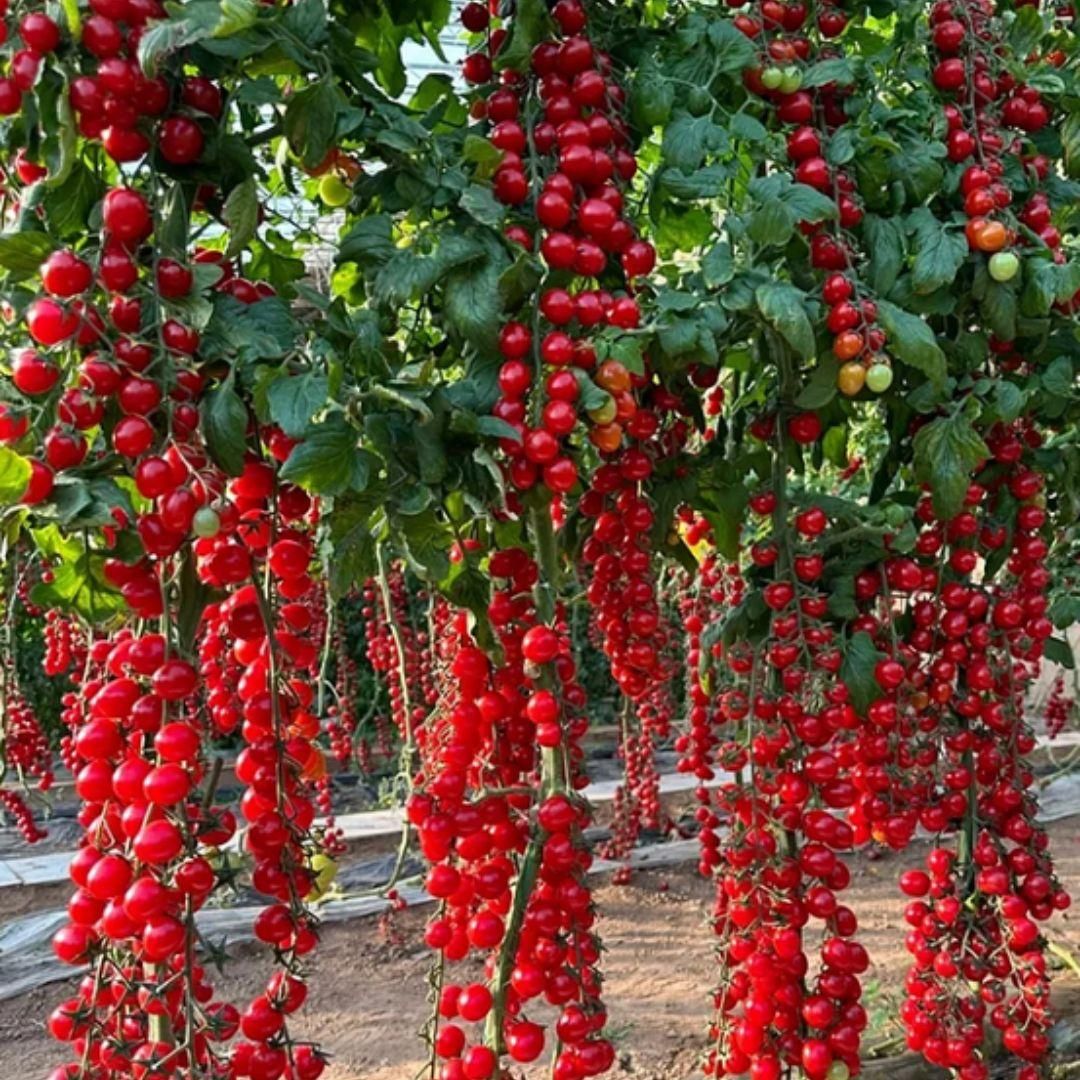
x=814, y=119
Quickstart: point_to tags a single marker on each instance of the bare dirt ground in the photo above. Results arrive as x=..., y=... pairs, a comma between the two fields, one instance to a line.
x=367, y=992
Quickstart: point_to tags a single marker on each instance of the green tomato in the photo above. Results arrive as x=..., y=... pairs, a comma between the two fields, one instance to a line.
x=1003, y=265
x=791, y=80
x=838, y=1071
x=605, y=413
x=206, y=522
x=879, y=378
x=698, y=101
x=333, y=190
x=771, y=78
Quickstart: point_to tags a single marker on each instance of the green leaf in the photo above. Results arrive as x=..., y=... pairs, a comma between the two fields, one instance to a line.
x=772, y=224
x=1058, y=651
x=1009, y=400
x=857, y=671
x=1070, y=142
x=1065, y=611
x=947, y=451
x=224, y=426
x=80, y=587
x=821, y=388
x=718, y=266
x=483, y=154
x=885, y=243
x=306, y=20
x=68, y=204
x=1026, y=31
x=295, y=399
x=731, y=51
x=809, y=204
x=410, y=273
x=472, y=301
x=998, y=308
x=369, y=243
x=1059, y=379
x=687, y=139
x=531, y=25
x=14, y=476
x=912, y=341
x=23, y=253
x=704, y=183
x=837, y=70
x=264, y=330
x=841, y=147
x=748, y=127
x=651, y=96
x=352, y=541
x=311, y=121
x=784, y=309
x=422, y=534
x=479, y=203
x=939, y=253
x=241, y=214
x=328, y=461
x=725, y=511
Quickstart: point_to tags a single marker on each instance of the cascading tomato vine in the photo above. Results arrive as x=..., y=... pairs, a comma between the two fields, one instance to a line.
x=730, y=351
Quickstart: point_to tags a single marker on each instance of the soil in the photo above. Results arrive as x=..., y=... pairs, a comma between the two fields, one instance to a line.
x=367, y=999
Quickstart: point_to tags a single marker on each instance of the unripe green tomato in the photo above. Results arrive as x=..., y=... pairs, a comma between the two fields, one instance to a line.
x=605, y=413
x=879, y=378
x=698, y=101
x=206, y=523
x=791, y=80
x=333, y=190
x=838, y=1071
x=1003, y=265
x=895, y=516
x=771, y=78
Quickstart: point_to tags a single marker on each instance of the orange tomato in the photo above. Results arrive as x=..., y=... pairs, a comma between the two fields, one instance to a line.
x=847, y=345
x=993, y=237
x=607, y=438
x=613, y=377
x=315, y=768
x=851, y=378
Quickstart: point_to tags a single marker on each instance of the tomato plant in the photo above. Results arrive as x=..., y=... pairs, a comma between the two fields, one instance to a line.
x=722, y=358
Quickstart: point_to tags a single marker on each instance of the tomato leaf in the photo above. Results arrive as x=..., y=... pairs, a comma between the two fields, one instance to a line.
x=224, y=426
x=294, y=399
x=23, y=253
x=912, y=341
x=784, y=309
x=329, y=461
x=1058, y=651
x=241, y=214
x=14, y=476
x=939, y=252
x=531, y=25
x=947, y=451
x=311, y=121
x=857, y=671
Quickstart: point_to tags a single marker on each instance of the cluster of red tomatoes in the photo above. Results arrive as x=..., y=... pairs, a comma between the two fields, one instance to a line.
x=563, y=165
x=775, y=714
x=113, y=386
x=812, y=118
x=983, y=100
x=474, y=812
